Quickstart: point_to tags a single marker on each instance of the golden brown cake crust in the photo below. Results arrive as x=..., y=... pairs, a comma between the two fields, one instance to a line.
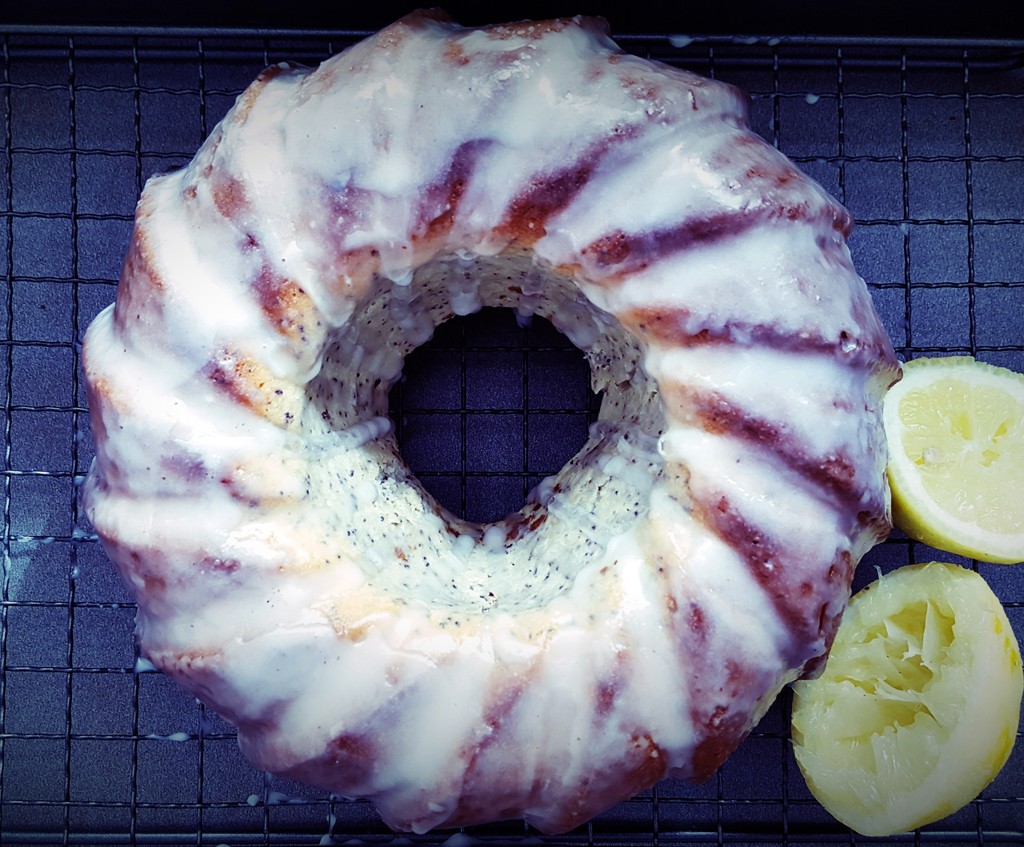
x=638, y=616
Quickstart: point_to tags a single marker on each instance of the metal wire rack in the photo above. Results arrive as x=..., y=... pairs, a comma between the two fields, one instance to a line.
x=922, y=139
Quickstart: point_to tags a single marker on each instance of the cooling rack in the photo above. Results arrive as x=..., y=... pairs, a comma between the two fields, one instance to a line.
x=922, y=139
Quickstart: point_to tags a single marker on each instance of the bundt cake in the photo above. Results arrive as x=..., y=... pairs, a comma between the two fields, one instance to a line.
x=641, y=612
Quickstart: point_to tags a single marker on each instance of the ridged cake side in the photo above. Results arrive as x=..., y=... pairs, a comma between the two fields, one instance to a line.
x=640, y=614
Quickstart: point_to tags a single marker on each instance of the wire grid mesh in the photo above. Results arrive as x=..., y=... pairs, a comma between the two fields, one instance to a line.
x=921, y=140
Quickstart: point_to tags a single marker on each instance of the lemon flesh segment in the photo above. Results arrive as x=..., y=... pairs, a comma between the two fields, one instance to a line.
x=918, y=706
x=955, y=432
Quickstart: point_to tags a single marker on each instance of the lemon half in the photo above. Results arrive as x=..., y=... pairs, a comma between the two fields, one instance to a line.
x=918, y=706
x=955, y=431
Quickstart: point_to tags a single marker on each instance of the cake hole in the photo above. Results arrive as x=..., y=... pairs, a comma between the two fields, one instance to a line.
x=488, y=408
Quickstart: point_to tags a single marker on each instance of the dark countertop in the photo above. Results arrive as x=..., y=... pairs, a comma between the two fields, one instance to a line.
x=941, y=18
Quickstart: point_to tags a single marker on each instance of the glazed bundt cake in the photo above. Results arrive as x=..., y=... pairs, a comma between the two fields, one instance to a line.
x=641, y=612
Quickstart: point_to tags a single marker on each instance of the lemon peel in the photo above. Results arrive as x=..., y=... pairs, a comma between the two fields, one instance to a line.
x=918, y=706
x=955, y=432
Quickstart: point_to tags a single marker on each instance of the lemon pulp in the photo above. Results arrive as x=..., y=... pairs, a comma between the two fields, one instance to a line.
x=918, y=707
x=955, y=430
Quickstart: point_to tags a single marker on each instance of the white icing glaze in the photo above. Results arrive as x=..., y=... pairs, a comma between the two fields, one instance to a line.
x=640, y=613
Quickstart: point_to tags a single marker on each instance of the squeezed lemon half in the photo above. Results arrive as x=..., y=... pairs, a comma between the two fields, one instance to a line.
x=955, y=432
x=918, y=706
